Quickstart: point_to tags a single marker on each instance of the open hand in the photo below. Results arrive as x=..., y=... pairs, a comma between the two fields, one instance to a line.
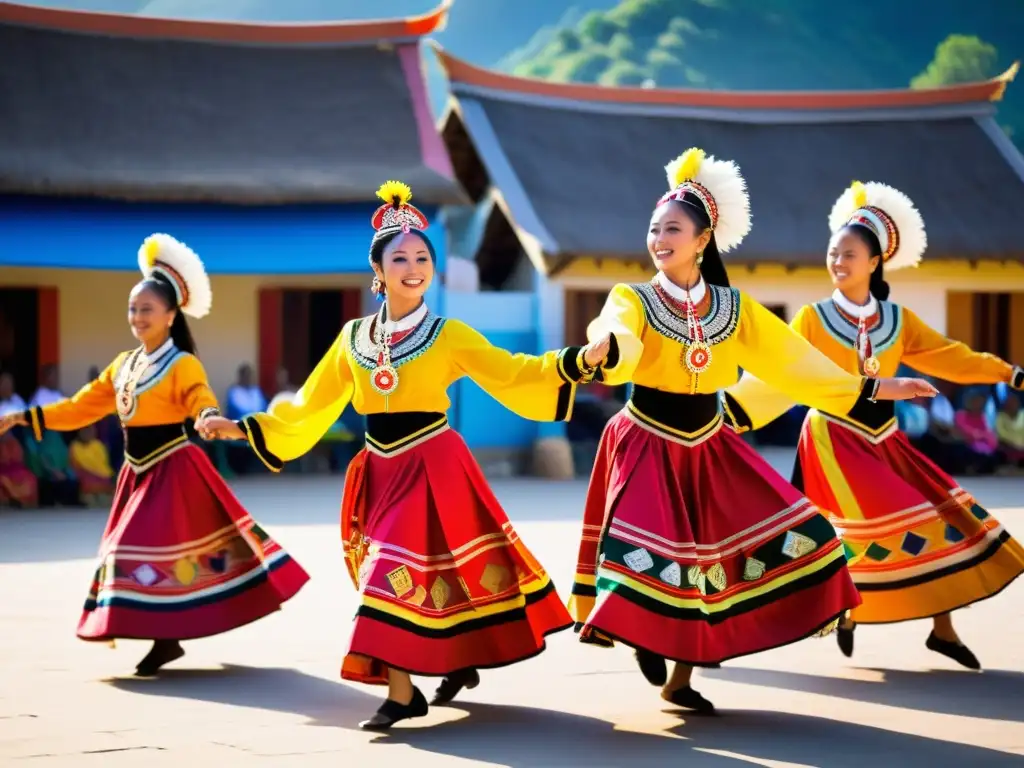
x=901, y=388
x=218, y=428
x=596, y=351
x=12, y=420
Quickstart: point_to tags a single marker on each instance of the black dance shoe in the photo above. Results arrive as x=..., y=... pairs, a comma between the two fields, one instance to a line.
x=391, y=712
x=652, y=666
x=958, y=652
x=453, y=684
x=162, y=652
x=690, y=699
x=844, y=637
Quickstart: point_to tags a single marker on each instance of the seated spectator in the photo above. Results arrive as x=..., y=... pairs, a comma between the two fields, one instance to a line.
x=18, y=486
x=912, y=417
x=1010, y=431
x=91, y=463
x=980, y=439
x=244, y=397
x=48, y=459
x=49, y=391
x=109, y=432
x=10, y=400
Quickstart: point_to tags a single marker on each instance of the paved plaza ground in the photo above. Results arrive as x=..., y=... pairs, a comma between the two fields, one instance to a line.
x=269, y=694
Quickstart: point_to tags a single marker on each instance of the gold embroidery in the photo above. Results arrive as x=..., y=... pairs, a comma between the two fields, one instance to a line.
x=440, y=593
x=465, y=588
x=494, y=578
x=418, y=597
x=716, y=575
x=698, y=579
x=185, y=571
x=401, y=581
x=753, y=569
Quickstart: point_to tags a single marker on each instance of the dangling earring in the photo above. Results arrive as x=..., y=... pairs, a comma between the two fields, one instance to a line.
x=377, y=288
x=700, y=258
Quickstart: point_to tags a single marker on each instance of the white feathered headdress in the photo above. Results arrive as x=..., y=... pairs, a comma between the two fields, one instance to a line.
x=182, y=268
x=719, y=187
x=888, y=213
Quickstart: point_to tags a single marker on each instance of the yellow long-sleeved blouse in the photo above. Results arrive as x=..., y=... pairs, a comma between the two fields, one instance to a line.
x=428, y=360
x=148, y=392
x=897, y=336
x=651, y=338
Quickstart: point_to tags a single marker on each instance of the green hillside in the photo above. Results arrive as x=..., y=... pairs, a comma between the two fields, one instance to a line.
x=790, y=44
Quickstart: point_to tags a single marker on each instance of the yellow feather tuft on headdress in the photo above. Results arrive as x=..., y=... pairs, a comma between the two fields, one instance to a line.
x=860, y=194
x=686, y=166
x=395, y=192
x=151, y=248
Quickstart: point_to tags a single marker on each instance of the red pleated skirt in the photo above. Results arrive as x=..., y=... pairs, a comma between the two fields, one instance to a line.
x=445, y=583
x=918, y=544
x=181, y=558
x=698, y=551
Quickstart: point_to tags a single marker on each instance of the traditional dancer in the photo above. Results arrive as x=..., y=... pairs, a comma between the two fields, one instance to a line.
x=693, y=548
x=446, y=586
x=180, y=558
x=918, y=544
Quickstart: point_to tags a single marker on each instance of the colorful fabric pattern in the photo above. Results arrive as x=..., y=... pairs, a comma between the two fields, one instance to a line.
x=180, y=558
x=445, y=583
x=918, y=545
x=694, y=549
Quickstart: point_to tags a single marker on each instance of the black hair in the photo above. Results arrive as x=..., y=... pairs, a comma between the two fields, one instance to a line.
x=878, y=286
x=712, y=268
x=386, y=235
x=180, y=332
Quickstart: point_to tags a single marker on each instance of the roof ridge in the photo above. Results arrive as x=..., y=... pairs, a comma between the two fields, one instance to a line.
x=463, y=72
x=320, y=32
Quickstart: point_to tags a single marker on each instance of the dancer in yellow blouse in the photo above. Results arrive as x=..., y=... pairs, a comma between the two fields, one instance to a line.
x=919, y=546
x=180, y=557
x=446, y=585
x=693, y=548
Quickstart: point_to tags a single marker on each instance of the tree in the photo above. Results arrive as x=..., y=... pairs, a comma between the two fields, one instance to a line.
x=568, y=41
x=958, y=59
x=622, y=47
x=623, y=73
x=598, y=28
x=666, y=70
x=586, y=66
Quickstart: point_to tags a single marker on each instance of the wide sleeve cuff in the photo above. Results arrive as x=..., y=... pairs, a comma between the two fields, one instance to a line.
x=36, y=420
x=611, y=360
x=254, y=434
x=573, y=368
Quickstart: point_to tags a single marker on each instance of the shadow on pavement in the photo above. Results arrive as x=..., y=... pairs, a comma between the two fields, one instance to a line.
x=521, y=737
x=993, y=695
x=324, y=702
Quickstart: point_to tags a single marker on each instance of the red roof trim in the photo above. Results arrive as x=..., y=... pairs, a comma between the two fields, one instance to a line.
x=460, y=71
x=113, y=24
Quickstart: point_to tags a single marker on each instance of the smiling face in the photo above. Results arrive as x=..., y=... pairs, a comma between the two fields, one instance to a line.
x=148, y=315
x=674, y=238
x=849, y=261
x=406, y=268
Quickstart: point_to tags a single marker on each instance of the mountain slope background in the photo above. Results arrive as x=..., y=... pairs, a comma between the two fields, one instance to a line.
x=720, y=44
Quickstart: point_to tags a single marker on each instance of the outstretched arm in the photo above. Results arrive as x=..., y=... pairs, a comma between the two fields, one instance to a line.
x=293, y=427
x=536, y=387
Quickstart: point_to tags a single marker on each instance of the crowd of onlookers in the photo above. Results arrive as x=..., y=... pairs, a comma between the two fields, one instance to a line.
x=965, y=430
x=77, y=469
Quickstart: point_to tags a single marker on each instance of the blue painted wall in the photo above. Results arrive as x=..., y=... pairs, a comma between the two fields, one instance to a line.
x=479, y=418
x=278, y=240
x=508, y=321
